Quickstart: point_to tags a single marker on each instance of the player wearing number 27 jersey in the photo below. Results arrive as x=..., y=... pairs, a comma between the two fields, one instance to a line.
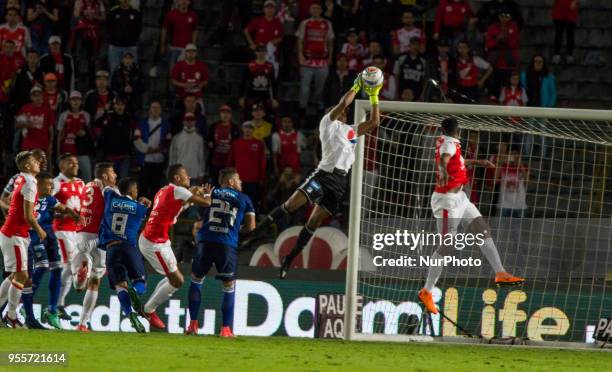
x=451, y=208
x=154, y=242
x=216, y=244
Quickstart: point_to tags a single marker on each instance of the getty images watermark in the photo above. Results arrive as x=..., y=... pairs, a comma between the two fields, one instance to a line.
x=410, y=240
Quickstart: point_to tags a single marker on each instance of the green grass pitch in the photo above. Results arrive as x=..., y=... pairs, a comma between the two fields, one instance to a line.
x=166, y=352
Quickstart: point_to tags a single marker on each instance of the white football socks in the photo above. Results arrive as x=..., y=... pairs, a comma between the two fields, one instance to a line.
x=89, y=302
x=489, y=250
x=433, y=273
x=162, y=293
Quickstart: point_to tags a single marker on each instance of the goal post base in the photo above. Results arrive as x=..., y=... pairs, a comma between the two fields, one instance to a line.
x=379, y=337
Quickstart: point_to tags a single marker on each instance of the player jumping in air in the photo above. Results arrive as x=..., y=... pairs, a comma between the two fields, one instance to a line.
x=43, y=254
x=451, y=207
x=67, y=189
x=123, y=216
x=217, y=241
x=154, y=242
x=14, y=235
x=88, y=265
x=326, y=186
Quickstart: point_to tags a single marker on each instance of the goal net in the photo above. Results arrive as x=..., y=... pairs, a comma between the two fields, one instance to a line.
x=548, y=205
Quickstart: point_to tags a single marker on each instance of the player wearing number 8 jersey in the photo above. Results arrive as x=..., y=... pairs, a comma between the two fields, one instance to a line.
x=89, y=264
x=451, y=207
x=216, y=244
x=123, y=216
x=154, y=242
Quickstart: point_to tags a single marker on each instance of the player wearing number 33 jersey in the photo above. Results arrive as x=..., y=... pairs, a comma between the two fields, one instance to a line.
x=230, y=213
x=452, y=208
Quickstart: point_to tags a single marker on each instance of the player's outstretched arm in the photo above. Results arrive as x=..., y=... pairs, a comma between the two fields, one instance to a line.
x=144, y=201
x=249, y=223
x=346, y=99
x=67, y=211
x=374, y=120
x=201, y=195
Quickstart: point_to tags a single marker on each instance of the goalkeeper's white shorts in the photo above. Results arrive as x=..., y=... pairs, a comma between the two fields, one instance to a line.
x=452, y=210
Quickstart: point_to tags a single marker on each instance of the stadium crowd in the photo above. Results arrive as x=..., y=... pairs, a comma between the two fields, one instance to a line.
x=472, y=55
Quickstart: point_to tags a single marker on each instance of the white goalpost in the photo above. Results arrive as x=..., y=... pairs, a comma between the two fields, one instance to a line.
x=548, y=204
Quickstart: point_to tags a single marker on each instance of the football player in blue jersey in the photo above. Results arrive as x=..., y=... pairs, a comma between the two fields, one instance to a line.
x=43, y=254
x=123, y=217
x=230, y=213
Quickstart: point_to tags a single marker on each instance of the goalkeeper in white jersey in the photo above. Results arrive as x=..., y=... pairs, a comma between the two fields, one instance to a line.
x=325, y=187
x=451, y=207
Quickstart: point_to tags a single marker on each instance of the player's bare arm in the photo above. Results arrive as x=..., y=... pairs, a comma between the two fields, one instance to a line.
x=28, y=211
x=144, y=201
x=372, y=123
x=249, y=223
x=201, y=195
x=480, y=162
x=346, y=99
x=64, y=210
x=442, y=169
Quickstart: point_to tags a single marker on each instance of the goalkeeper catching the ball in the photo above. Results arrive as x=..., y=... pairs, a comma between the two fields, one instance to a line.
x=325, y=187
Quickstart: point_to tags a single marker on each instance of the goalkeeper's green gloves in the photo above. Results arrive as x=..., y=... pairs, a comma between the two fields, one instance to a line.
x=357, y=83
x=372, y=92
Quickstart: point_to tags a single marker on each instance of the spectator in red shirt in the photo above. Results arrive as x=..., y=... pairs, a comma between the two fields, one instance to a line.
x=452, y=17
x=10, y=63
x=353, y=50
x=14, y=30
x=259, y=84
x=182, y=24
x=220, y=137
x=502, y=43
x=565, y=16
x=75, y=136
x=248, y=155
x=189, y=76
x=36, y=122
x=56, y=99
x=265, y=29
x=315, y=51
x=470, y=80
x=287, y=147
x=400, y=38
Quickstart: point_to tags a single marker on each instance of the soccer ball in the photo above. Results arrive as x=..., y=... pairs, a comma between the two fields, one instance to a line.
x=372, y=76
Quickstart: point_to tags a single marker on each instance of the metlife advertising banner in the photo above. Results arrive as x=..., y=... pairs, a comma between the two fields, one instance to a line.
x=275, y=307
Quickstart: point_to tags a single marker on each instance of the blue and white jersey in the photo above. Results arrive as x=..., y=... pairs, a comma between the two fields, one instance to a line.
x=44, y=211
x=223, y=218
x=44, y=215
x=122, y=218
